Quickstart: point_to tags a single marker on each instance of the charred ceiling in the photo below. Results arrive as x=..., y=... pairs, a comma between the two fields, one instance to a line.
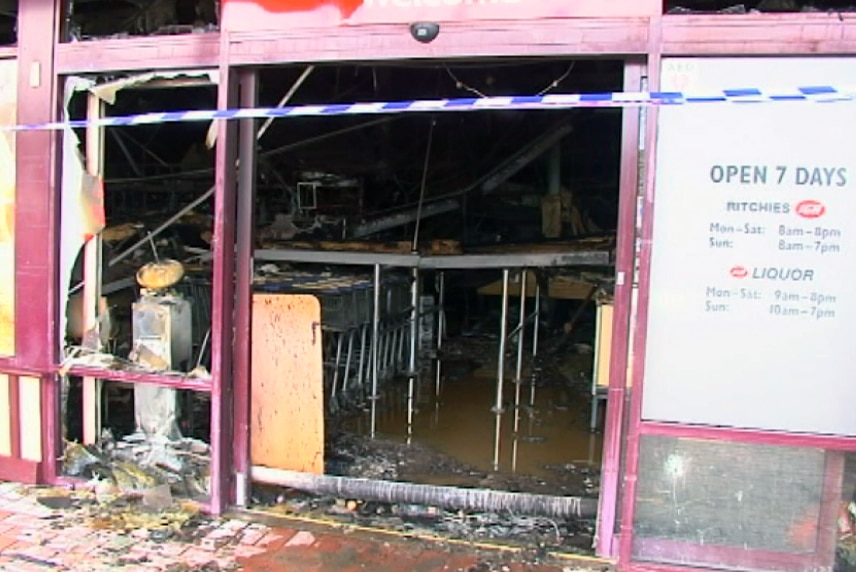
x=115, y=18
x=90, y=19
x=350, y=171
x=387, y=159
x=756, y=6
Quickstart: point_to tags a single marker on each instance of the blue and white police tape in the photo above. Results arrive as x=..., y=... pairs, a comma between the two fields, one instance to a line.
x=820, y=94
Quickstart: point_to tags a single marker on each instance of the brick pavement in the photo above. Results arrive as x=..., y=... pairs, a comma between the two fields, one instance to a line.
x=79, y=536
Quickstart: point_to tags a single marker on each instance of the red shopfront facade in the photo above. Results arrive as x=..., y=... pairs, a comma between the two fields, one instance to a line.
x=255, y=33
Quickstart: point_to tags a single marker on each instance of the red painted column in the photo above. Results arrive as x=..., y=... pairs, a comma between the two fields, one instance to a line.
x=634, y=412
x=223, y=296
x=242, y=366
x=37, y=202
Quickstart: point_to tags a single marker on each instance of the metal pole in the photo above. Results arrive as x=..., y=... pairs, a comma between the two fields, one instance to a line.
x=414, y=335
x=537, y=320
x=414, y=322
x=422, y=187
x=287, y=97
x=247, y=136
x=496, y=440
x=500, y=368
x=518, y=382
x=92, y=276
x=375, y=340
x=442, y=302
x=535, y=342
x=514, y=444
x=223, y=299
x=441, y=327
x=521, y=336
x=503, y=333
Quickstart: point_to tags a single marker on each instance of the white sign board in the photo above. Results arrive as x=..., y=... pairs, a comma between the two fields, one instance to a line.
x=752, y=304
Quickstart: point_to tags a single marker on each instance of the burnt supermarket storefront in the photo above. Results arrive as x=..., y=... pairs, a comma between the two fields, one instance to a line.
x=433, y=302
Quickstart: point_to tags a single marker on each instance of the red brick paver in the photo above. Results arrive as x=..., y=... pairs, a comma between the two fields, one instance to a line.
x=34, y=538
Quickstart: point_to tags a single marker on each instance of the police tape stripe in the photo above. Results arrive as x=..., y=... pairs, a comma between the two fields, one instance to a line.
x=815, y=94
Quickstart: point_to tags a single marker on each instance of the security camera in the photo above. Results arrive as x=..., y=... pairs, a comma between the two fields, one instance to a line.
x=424, y=32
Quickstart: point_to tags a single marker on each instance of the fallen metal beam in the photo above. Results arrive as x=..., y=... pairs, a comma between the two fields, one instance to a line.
x=405, y=217
x=486, y=184
x=286, y=98
x=516, y=260
x=440, y=262
x=166, y=224
x=452, y=498
x=118, y=285
x=338, y=257
x=525, y=156
x=126, y=152
x=205, y=196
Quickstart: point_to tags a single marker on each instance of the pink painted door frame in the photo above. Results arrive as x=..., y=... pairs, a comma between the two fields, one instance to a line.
x=625, y=259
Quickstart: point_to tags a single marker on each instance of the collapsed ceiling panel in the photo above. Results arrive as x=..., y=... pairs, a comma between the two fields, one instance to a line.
x=756, y=6
x=116, y=18
x=365, y=173
x=387, y=156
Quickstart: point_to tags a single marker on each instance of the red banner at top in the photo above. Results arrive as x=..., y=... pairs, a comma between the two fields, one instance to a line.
x=247, y=15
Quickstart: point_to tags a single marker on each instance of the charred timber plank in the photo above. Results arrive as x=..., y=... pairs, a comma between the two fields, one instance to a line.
x=516, y=260
x=444, y=247
x=452, y=498
x=401, y=247
x=572, y=246
x=559, y=288
x=338, y=257
x=461, y=262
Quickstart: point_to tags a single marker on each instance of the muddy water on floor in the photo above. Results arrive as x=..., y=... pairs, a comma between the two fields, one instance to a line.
x=460, y=423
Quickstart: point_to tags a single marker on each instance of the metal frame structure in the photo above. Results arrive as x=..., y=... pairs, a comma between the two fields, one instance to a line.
x=640, y=41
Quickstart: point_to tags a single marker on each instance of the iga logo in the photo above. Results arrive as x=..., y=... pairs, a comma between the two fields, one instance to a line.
x=738, y=272
x=810, y=209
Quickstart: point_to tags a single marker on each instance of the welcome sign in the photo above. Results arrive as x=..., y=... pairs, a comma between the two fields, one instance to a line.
x=249, y=15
